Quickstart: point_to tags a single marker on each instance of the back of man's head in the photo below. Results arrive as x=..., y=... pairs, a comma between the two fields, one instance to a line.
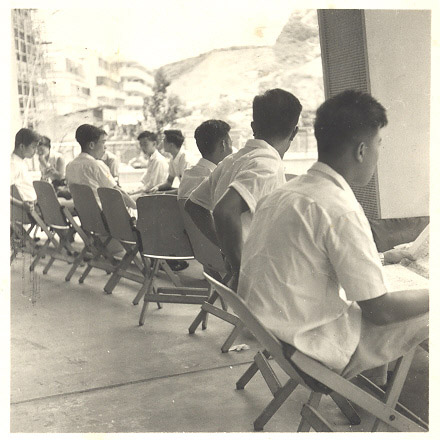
x=174, y=137
x=87, y=133
x=209, y=134
x=345, y=117
x=45, y=141
x=25, y=136
x=148, y=135
x=275, y=113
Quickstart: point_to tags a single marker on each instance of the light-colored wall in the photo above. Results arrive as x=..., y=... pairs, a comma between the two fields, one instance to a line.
x=398, y=44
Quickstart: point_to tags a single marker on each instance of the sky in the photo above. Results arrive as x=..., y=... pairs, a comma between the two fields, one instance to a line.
x=159, y=32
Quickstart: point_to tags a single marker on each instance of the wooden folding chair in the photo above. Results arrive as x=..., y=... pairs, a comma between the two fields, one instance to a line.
x=93, y=232
x=319, y=380
x=163, y=237
x=58, y=229
x=23, y=222
x=209, y=256
x=122, y=228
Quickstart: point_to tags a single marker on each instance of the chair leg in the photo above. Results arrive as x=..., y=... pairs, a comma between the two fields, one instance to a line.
x=116, y=277
x=347, y=409
x=280, y=397
x=85, y=273
x=314, y=419
x=78, y=260
x=48, y=265
x=394, y=387
x=313, y=402
x=40, y=254
x=147, y=290
x=231, y=338
x=249, y=373
x=203, y=313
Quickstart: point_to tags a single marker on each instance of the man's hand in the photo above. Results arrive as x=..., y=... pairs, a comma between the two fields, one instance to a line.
x=395, y=256
x=29, y=205
x=153, y=190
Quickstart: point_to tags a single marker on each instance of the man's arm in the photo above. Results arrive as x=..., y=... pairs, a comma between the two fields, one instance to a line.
x=163, y=186
x=202, y=218
x=127, y=199
x=227, y=220
x=395, y=306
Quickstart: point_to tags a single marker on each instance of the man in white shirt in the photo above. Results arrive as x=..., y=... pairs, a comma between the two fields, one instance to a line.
x=87, y=169
x=310, y=270
x=26, y=143
x=157, y=167
x=233, y=189
x=112, y=161
x=172, y=143
x=52, y=165
x=214, y=143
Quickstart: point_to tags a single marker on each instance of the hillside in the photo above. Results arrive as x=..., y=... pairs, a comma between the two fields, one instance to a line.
x=222, y=83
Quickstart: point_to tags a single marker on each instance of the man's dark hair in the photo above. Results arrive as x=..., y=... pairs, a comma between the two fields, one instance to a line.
x=175, y=137
x=275, y=113
x=209, y=133
x=87, y=133
x=344, y=117
x=148, y=135
x=26, y=136
x=45, y=141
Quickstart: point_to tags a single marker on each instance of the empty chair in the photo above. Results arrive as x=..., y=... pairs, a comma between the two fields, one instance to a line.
x=209, y=256
x=93, y=232
x=319, y=380
x=56, y=226
x=122, y=228
x=163, y=237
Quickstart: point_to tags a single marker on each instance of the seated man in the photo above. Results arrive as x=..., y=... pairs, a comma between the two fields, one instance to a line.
x=87, y=169
x=52, y=164
x=241, y=179
x=26, y=142
x=53, y=167
x=214, y=143
x=112, y=161
x=310, y=239
x=172, y=143
x=157, y=166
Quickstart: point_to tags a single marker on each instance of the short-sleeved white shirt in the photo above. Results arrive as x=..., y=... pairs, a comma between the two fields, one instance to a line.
x=22, y=179
x=87, y=170
x=179, y=164
x=309, y=257
x=54, y=156
x=112, y=161
x=254, y=171
x=156, y=172
x=194, y=176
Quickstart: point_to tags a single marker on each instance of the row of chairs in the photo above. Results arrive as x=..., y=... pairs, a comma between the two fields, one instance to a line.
x=164, y=231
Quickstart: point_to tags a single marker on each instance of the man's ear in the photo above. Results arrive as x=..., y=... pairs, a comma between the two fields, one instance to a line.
x=360, y=151
x=294, y=133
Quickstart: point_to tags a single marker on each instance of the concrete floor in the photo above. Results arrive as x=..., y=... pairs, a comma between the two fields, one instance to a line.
x=80, y=363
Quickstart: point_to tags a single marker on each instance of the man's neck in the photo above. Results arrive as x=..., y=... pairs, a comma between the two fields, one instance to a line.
x=19, y=154
x=273, y=142
x=337, y=165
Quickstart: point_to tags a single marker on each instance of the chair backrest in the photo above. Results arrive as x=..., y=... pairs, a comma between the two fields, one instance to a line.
x=118, y=219
x=18, y=214
x=50, y=207
x=88, y=210
x=161, y=227
x=205, y=252
x=263, y=335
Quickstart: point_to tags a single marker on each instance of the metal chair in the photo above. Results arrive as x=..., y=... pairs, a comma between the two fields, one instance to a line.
x=209, y=256
x=93, y=232
x=319, y=380
x=122, y=228
x=22, y=222
x=55, y=226
x=163, y=237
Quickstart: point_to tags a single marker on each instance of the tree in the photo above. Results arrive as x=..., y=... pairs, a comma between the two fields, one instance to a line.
x=162, y=108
